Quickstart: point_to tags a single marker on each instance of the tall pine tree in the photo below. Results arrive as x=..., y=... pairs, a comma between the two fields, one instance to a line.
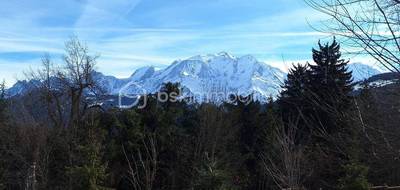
x=328, y=94
x=330, y=82
x=3, y=134
x=2, y=102
x=295, y=86
x=293, y=102
x=329, y=86
x=316, y=99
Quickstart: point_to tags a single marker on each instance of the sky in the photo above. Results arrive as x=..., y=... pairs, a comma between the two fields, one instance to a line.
x=128, y=34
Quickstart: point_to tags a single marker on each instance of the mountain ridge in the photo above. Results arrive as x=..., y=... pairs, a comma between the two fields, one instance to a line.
x=203, y=76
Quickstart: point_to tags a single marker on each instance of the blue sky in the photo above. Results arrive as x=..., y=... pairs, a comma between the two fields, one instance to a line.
x=132, y=33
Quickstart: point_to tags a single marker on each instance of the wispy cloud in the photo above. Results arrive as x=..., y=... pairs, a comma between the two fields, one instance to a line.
x=12, y=71
x=130, y=34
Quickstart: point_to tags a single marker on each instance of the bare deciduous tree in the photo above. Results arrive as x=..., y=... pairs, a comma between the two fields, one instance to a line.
x=62, y=90
x=369, y=26
x=142, y=167
x=64, y=85
x=286, y=166
x=77, y=76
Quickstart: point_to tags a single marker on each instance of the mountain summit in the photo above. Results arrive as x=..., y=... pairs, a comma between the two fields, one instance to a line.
x=206, y=75
x=203, y=76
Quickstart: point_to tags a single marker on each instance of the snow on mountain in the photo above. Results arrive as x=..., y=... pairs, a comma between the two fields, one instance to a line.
x=22, y=87
x=142, y=73
x=206, y=76
x=361, y=71
x=379, y=80
x=109, y=84
x=212, y=76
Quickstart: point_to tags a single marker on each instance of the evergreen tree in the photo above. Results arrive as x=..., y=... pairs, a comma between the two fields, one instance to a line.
x=2, y=102
x=328, y=89
x=294, y=87
x=316, y=99
x=89, y=171
x=318, y=92
x=330, y=82
x=2, y=140
x=334, y=138
x=293, y=102
x=355, y=177
x=248, y=123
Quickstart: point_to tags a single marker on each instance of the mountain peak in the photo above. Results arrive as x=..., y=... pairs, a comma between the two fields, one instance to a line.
x=142, y=73
x=362, y=71
x=248, y=58
x=225, y=54
x=210, y=57
x=203, y=75
x=203, y=58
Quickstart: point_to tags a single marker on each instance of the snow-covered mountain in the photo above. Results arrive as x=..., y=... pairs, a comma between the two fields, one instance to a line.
x=212, y=76
x=209, y=76
x=361, y=71
x=22, y=87
x=378, y=81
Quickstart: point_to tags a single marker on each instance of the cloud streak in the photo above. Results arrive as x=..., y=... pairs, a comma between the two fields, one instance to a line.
x=130, y=34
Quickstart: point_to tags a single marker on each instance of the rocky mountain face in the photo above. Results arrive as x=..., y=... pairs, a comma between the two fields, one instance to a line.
x=212, y=76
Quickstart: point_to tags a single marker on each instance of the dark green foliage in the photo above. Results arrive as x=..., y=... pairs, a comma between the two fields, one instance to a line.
x=329, y=74
x=333, y=131
x=3, y=103
x=250, y=123
x=89, y=170
x=330, y=87
x=355, y=177
x=378, y=108
x=294, y=103
x=4, y=140
x=316, y=134
x=319, y=93
x=210, y=176
x=295, y=87
x=317, y=100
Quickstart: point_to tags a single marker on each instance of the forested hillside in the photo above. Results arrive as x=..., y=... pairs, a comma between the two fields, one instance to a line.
x=317, y=134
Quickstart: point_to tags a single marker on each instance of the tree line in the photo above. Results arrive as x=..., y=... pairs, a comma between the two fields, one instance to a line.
x=318, y=134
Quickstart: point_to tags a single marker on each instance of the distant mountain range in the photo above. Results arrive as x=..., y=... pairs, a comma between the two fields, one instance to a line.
x=361, y=71
x=201, y=76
